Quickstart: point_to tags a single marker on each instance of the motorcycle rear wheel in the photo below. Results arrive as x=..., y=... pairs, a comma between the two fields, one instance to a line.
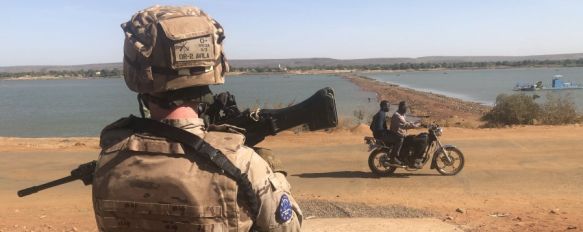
x=450, y=168
x=375, y=164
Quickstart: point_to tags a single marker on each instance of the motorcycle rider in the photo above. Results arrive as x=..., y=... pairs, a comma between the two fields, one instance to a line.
x=398, y=131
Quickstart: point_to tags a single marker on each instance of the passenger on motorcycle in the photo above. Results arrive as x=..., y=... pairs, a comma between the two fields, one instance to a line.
x=378, y=126
x=394, y=136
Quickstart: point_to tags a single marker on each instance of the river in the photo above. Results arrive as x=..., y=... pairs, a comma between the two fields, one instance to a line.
x=63, y=108
x=484, y=85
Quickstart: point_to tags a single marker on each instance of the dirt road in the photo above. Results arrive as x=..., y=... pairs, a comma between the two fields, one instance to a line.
x=515, y=179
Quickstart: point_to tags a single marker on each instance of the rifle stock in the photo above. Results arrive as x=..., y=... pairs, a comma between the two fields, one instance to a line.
x=317, y=112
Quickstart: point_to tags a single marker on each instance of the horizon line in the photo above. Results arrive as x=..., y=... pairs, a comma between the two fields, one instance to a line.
x=238, y=59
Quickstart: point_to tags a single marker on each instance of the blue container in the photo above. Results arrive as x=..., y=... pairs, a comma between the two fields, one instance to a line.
x=557, y=83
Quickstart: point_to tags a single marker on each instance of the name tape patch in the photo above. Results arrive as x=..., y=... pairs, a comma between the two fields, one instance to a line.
x=194, y=49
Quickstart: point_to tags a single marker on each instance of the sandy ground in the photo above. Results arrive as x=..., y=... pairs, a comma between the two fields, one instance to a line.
x=515, y=179
x=377, y=224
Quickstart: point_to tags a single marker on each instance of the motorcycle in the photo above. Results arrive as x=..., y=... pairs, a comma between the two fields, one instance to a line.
x=416, y=151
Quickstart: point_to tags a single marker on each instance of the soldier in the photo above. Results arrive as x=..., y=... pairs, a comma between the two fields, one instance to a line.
x=144, y=182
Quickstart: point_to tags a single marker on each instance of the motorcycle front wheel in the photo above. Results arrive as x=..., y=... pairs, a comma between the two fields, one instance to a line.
x=376, y=165
x=446, y=168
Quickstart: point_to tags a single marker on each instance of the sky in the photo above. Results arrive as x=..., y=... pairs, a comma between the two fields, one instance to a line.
x=68, y=32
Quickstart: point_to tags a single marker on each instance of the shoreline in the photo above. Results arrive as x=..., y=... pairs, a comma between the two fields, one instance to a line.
x=286, y=139
x=303, y=72
x=443, y=93
x=445, y=110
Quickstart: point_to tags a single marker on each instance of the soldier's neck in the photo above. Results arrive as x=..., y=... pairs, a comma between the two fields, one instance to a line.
x=181, y=112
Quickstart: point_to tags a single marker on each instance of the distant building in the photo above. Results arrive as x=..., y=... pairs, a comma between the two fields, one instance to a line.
x=282, y=68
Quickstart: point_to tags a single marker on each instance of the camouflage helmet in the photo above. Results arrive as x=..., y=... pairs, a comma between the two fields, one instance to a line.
x=168, y=48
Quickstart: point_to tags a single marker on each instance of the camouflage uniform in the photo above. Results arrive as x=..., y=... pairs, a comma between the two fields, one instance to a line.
x=271, y=159
x=145, y=183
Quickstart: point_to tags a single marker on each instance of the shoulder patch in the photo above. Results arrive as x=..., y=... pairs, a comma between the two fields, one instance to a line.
x=284, y=210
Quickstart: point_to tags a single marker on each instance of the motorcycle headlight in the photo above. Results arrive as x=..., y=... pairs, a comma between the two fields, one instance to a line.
x=439, y=131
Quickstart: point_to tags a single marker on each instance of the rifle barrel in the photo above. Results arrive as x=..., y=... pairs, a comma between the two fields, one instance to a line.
x=34, y=189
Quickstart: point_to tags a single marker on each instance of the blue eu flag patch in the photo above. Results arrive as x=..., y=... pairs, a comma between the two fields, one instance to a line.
x=284, y=211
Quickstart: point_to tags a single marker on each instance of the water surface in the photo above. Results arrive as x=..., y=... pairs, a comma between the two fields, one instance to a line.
x=484, y=85
x=61, y=108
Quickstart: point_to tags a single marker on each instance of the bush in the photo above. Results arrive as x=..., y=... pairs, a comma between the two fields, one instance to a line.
x=345, y=123
x=362, y=116
x=359, y=115
x=522, y=109
x=513, y=109
x=559, y=110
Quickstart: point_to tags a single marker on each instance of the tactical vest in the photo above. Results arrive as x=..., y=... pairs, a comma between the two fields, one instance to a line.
x=146, y=183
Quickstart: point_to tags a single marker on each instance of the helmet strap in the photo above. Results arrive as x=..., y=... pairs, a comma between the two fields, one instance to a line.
x=144, y=110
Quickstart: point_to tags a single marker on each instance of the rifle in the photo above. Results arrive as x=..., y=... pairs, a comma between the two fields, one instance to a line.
x=317, y=112
x=84, y=173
